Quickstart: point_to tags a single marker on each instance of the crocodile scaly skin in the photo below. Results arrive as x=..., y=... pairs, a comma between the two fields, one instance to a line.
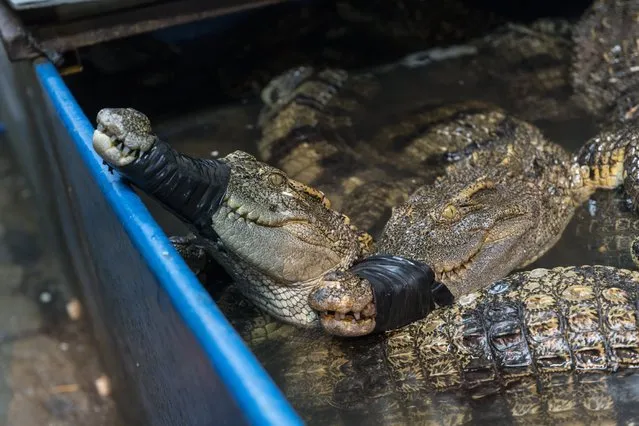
x=547, y=346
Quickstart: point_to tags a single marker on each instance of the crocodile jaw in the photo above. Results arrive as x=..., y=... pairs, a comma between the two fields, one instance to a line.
x=122, y=135
x=113, y=151
x=276, y=264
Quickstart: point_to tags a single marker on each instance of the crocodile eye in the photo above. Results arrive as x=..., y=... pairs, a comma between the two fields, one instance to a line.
x=450, y=212
x=276, y=179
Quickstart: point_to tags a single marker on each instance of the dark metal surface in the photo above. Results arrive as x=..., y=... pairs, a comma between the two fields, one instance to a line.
x=17, y=41
x=30, y=42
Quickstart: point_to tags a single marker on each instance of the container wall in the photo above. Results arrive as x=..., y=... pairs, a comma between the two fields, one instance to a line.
x=172, y=356
x=177, y=350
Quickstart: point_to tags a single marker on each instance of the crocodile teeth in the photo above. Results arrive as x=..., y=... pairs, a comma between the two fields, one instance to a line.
x=232, y=203
x=126, y=150
x=101, y=141
x=356, y=315
x=339, y=316
x=242, y=211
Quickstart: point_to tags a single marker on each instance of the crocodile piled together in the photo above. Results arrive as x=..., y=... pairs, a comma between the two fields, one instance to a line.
x=506, y=189
x=507, y=193
x=531, y=348
x=523, y=337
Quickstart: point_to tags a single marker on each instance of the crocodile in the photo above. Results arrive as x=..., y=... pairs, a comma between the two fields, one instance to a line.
x=606, y=227
x=537, y=347
x=506, y=190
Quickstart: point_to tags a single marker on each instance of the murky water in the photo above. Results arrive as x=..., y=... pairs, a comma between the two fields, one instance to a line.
x=311, y=368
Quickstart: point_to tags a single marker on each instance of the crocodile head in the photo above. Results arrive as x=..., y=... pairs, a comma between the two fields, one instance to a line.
x=470, y=229
x=279, y=238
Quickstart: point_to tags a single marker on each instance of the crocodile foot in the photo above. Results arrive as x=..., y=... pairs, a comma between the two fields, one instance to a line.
x=345, y=304
x=122, y=135
x=196, y=256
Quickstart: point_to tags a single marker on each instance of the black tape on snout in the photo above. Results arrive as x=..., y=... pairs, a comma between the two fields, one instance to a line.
x=404, y=290
x=191, y=188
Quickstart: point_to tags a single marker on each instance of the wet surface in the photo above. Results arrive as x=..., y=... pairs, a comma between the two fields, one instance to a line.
x=48, y=362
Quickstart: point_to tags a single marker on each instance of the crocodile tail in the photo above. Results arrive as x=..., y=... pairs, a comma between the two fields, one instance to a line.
x=301, y=113
x=190, y=188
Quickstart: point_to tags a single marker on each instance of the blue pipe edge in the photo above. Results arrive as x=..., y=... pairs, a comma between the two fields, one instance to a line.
x=255, y=392
x=2, y=128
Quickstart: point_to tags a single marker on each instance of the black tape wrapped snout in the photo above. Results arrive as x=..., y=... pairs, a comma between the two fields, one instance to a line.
x=404, y=290
x=191, y=188
x=441, y=295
